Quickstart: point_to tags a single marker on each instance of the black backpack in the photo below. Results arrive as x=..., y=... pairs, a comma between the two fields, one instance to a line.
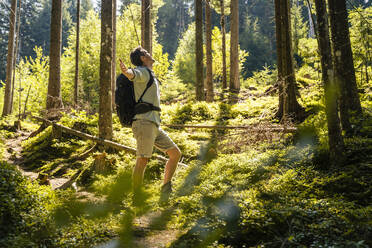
x=126, y=105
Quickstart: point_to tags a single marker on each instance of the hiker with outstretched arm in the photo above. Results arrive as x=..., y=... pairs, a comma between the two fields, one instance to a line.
x=146, y=126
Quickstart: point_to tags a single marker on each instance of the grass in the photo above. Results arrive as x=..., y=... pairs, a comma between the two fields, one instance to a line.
x=240, y=189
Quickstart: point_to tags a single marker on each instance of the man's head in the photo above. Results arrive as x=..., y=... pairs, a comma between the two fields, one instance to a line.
x=140, y=57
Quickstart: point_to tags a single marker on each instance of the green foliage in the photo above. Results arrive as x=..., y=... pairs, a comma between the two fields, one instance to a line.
x=127, y=33
x=264, y=77
x=32, y=82
x=184, y=61
x=25, y=219
x=361, y=38
x=308, y=50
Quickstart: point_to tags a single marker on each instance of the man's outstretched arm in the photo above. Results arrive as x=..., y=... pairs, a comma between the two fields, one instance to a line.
x=128, y=73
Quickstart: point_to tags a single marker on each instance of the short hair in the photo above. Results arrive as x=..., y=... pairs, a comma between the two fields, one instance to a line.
x=135, y=56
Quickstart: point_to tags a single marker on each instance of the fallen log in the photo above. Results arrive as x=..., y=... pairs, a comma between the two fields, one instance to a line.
x=248, y=128
x=105, y=142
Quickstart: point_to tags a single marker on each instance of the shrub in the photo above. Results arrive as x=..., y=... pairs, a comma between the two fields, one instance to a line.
x=24, y=210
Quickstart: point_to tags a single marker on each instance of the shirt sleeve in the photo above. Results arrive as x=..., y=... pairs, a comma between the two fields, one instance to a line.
x=141, y=75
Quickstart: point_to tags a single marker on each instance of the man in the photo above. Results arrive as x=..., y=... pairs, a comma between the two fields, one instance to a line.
x=146, y=126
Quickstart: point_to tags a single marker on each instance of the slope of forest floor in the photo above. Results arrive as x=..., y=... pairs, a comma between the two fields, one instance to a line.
x=240, y=189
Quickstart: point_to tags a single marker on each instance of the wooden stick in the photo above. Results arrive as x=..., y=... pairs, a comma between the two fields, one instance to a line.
x=109, y=143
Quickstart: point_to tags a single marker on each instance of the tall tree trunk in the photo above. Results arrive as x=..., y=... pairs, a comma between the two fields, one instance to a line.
x=336, y=144
x=9, y=61
x=199, y=50
x=113, y=86
x=288, y=105
x=16, y=53
x=105, y=103
x=208, y=51
x=146, y=25
x=234, y=47
x=54, y=101
x=223, y=31
x=344, y=65
x=311, y=23
x=279, y=49
x=76, y=86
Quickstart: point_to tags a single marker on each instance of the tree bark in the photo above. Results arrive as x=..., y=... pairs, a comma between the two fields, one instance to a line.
x=208, y=51
x=344, y=64
x=16, y=53
x=288, y=105
x=336, y=143
x=279, y=49
x=76, y=86
x=105, y=103
x=113, y=86
x=54, y=101
x=146, y=26
x=223, y=28
x=199, y=50
x=9, y=63
x=234, y=48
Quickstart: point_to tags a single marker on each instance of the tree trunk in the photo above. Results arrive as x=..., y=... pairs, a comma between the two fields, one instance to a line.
x=54, y=101
x=336, y=144
x=288, y=105
x=199, y=50
x=9, y=63
x=279, y=49
x=146, y=26
x=208, y=51
x=16, y=53
x=113, y=86
x=76, y=86
x=105, y=103
x=234, y=48
x=344, y=65
x=223, y=31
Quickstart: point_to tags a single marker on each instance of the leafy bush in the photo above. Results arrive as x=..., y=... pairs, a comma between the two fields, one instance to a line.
x=25, y=219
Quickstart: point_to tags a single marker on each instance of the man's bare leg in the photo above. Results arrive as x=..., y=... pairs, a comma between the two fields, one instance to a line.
x=138, y=172
x=174, y=156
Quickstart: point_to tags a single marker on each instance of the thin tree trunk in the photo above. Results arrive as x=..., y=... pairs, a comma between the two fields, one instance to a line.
x=105, y=102
x=9, y=63
x=223, y=28
x=288, y=105
x=234, y=47
x=336, y=144
x=208, y=49
x=113, y=86
x=76, y=86
x=54, y=100
x=146, y=25
x=199, y=50
x=344, y=64
x=16, y=52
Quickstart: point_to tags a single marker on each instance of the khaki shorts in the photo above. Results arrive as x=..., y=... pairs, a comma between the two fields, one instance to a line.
x=148, y=134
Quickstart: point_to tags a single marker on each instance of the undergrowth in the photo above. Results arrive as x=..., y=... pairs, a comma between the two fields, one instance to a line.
x=239, y=189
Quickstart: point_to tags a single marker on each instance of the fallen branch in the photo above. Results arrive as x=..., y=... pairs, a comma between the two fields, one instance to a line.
x=249, y=128
x=105, y=142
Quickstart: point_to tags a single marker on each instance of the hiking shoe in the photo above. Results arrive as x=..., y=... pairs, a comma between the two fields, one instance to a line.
x=165, y=192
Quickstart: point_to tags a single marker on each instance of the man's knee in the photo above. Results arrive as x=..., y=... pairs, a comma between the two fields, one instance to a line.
x=142, y=161
x=174, y=153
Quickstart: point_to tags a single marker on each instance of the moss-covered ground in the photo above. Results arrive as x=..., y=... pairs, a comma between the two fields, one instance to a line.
x=240, y=189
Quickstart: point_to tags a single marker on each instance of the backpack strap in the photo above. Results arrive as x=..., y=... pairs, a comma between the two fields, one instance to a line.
x=149, y=83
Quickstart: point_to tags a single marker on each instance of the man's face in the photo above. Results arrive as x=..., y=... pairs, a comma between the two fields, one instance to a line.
x=147, y=59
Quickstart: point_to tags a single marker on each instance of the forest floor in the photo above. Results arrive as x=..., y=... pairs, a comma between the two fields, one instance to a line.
x=143, y=234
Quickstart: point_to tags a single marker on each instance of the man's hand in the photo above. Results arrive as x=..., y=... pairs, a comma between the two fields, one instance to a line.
x=125, y=71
